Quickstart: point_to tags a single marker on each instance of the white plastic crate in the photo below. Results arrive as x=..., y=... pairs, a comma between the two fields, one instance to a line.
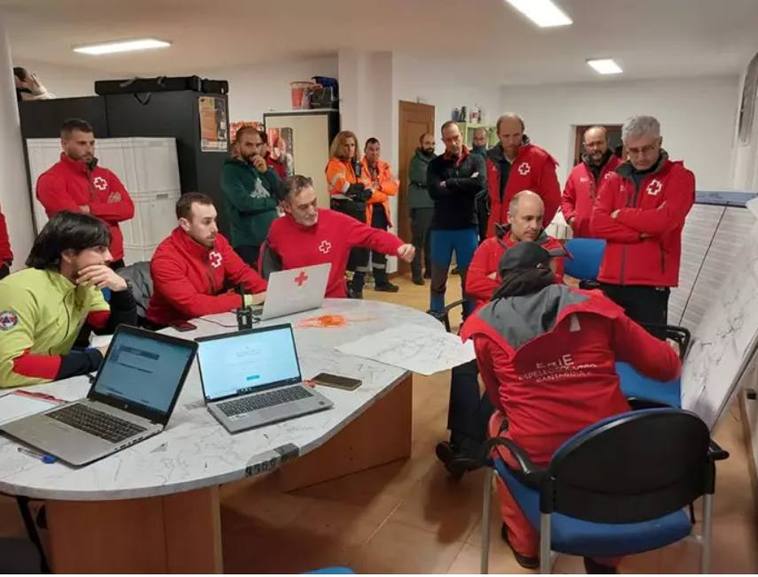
x=154, y=218
x=142, y=164
x=134, y=253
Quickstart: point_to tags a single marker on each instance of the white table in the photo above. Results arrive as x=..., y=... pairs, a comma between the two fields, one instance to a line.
x=154, y=507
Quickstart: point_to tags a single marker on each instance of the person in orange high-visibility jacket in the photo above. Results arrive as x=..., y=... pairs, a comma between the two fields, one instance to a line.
x=383, y=185
x=349, y=189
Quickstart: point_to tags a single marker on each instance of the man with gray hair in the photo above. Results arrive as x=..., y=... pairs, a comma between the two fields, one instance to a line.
x=515, y=165
x=640, y=211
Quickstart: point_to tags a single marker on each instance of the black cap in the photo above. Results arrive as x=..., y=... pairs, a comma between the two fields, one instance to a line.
x=526, y=255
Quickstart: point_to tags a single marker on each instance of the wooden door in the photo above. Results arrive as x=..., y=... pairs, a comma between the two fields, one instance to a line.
x=415, y=120
x=614, y=139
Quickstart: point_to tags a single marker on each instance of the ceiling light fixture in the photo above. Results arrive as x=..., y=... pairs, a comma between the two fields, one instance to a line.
x=544, y=13
x=605, y=66
x=122, y=46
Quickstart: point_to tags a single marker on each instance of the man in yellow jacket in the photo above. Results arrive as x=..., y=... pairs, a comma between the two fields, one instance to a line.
x=383, y=185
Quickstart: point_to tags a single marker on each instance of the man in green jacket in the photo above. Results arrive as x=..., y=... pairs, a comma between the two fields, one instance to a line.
x=250, y=194
x=421, y=206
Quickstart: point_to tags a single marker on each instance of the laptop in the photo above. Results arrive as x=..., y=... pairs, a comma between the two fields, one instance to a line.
x=131, y=399
x=252, y=378
x=295, y=290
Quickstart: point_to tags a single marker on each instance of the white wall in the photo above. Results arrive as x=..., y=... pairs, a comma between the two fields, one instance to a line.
x=261, y=88
x=697, y=118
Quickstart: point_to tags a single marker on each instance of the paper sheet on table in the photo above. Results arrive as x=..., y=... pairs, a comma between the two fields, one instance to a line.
x=412, y=347
x=16, y=405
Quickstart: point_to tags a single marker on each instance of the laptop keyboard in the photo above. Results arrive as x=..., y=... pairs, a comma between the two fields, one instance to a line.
x=95, y=422
x=263, y=400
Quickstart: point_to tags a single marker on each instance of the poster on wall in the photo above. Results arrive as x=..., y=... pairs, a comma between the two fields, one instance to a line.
x=281, y=146
x=213, y=126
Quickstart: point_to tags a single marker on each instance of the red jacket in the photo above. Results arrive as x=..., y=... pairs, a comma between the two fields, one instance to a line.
x=278, y=166
x=532, y=169
x=554, y=377
x=479, y=285
x=69, y=184
x=6, y=254
x=190, y=280
x=644, y=241
x=580, y=194
x=329, y=240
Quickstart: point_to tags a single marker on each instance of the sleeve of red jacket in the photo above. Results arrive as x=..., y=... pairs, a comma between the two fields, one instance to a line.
x=670, y=215
x=651, y=357
x=478, y=284
x=602, y=224
x=53, y=194
x=568, y=199
x=361, y=234
x=241, y=274
x=550, y=191
x=114, y=211
x=169, y=279
x=6, y=254
x=489, y=358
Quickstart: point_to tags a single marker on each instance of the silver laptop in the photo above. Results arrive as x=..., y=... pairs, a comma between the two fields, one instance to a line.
x=131, y=399
x=252, y=378
x=295, y=290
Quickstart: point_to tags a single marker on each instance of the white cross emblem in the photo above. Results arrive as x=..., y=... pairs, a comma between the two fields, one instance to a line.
x=524, y=168
x=654, y=187
x=325, y=246
x=215, y=259
x=100, y=183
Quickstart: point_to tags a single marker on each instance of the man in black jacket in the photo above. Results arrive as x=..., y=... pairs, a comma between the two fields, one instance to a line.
x=454, y=179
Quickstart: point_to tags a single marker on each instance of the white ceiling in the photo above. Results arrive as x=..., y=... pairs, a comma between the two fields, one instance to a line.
x=650, y=38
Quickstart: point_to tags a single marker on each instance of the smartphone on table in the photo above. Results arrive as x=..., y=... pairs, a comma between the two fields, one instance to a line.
x=337, y=381
x=184, y=326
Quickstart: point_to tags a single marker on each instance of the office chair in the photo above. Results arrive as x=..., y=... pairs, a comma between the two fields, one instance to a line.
x=614, y=488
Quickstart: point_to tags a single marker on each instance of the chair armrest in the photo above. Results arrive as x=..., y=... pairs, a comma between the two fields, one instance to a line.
x=680, y=335
x=444, y=315
x=638, y=404
x=528, y=472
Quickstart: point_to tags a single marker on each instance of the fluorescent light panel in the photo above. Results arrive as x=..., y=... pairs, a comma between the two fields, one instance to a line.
x=605, y=66
x=544, y=13
x=122, y=46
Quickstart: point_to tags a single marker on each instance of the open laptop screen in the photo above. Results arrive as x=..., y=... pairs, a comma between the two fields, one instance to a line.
x=243, y=362
x=143, y=369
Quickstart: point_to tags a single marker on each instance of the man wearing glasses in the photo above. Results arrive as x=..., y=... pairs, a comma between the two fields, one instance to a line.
x=640, y=211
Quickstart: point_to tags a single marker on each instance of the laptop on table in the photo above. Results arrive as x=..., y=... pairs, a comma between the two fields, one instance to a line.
x=132, y=398
x=295, y=290
x=252, y=378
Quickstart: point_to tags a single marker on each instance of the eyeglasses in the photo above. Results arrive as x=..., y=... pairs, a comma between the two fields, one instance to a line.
x=642, y=150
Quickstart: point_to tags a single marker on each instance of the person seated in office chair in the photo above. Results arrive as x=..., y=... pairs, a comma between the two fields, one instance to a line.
x=195, y=270
x=309, y=235
x=43, y=307
x=547, y=354
x=468, y=410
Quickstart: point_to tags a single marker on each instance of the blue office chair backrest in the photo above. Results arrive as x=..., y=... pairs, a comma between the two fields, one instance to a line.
x=586, y=256
x=630, y=468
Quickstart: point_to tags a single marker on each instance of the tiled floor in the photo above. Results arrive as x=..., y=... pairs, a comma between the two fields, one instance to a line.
x=408, y=517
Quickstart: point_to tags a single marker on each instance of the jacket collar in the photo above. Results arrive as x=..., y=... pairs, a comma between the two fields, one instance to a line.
x=497, y=154
x=60, y=282
x=460, y=158
x=626, y=169
x=191, y=246
x=425, y=157
x=74, y=165
x=606, y=158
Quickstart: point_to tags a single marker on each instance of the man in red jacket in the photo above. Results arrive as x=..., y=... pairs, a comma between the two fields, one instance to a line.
x=468, y=410
x=547, y=355
x=640, y=211
x=6, y=254
x=77, y=184
x=308, y=235
x=584, y=180
x=515, y=165
x=195, y=270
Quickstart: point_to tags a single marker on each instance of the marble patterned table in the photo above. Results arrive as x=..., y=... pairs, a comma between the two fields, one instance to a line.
x=154, y=507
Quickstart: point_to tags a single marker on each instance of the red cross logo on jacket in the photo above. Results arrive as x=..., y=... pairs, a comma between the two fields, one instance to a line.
x=215, y=258
x=654, y=187
x=100, y=183
x=325, y=246
x=524, y=168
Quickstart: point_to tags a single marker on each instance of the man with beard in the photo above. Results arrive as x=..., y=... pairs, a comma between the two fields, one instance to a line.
x=584, y=180
x=421, y=207
x=515, y=165
x=250, y=192
x=77, y=184
x=195, y=270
